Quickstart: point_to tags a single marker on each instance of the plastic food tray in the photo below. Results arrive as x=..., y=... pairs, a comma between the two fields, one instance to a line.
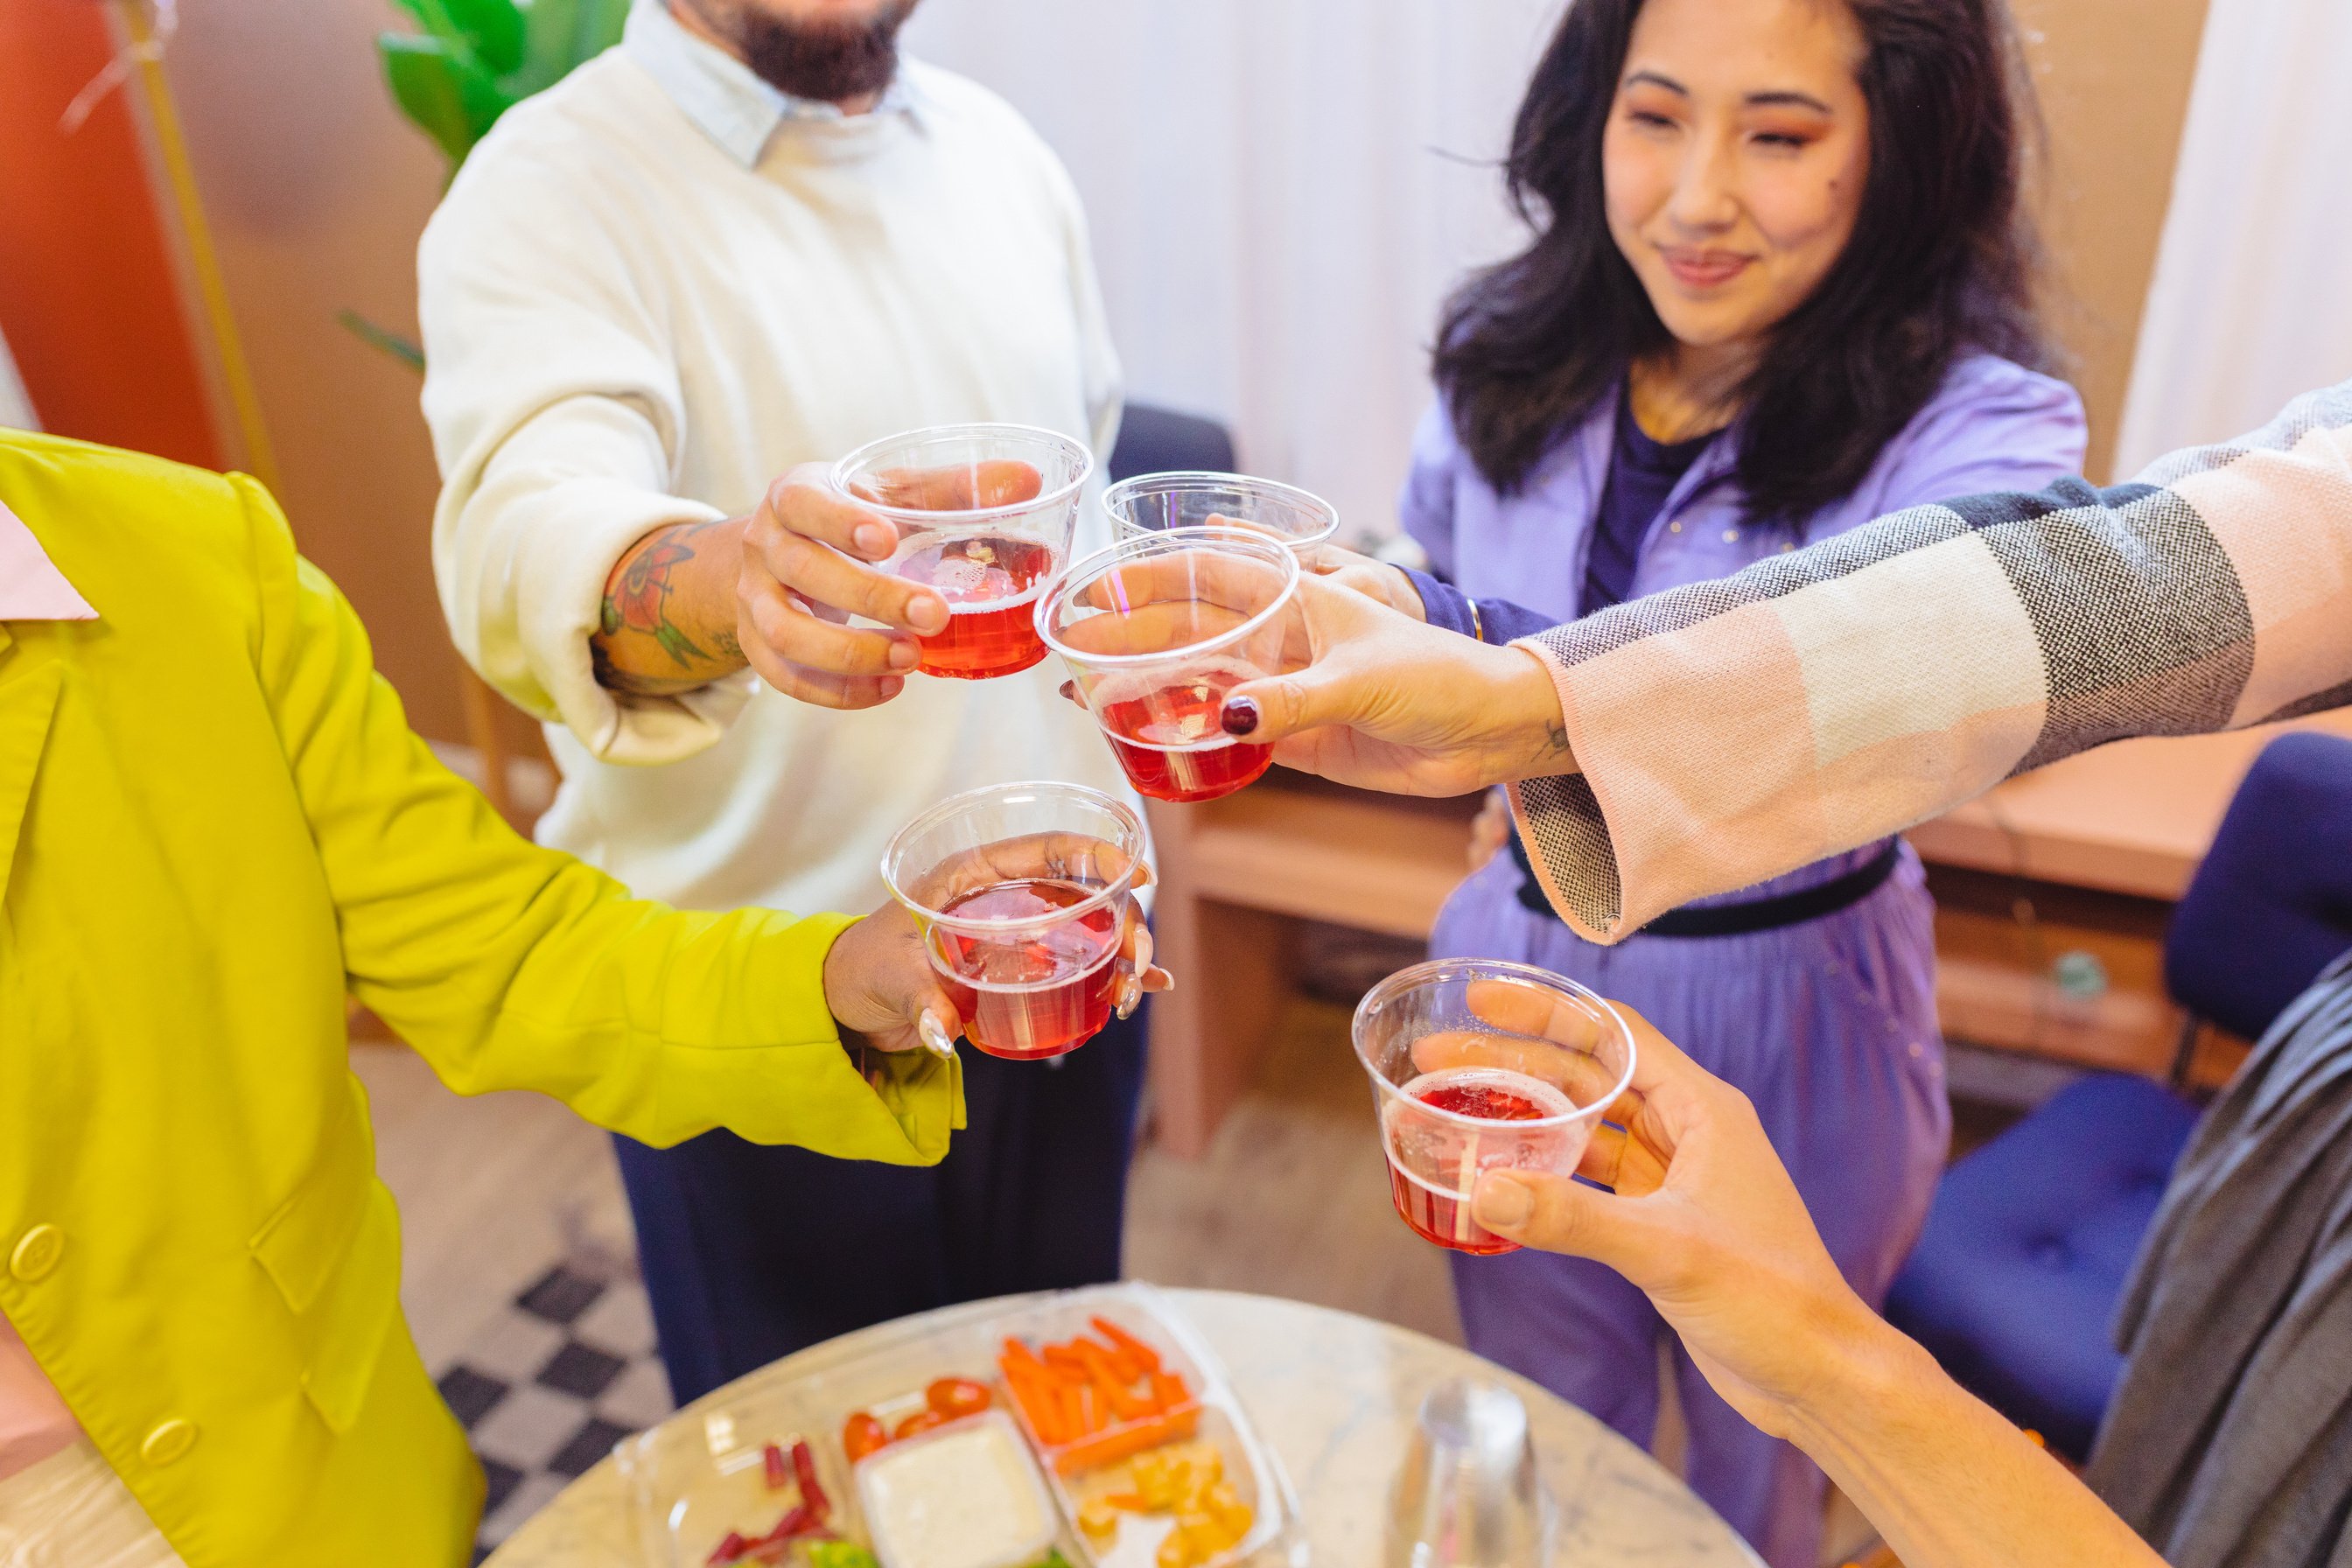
x=693, y=1482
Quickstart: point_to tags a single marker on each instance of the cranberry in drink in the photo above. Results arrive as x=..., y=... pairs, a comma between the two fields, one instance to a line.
x=1434, y=1162
x=1036, y=993
x=990, y=584
x=1169, y=739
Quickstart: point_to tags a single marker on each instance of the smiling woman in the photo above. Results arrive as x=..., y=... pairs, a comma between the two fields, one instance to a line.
x=1806, y=212
x=1778, y=287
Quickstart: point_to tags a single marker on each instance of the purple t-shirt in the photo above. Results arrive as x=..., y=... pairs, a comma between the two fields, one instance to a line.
x=1643, y=472
x=1525, y=558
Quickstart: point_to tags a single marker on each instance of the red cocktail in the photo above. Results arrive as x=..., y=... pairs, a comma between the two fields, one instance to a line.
x=1431, y=1195
x=1157, y=630
x=990, y=584
x=985, y=515
x=1478, y=1066
x=1024, y=894
x=1169, y=739
x=1041, y=992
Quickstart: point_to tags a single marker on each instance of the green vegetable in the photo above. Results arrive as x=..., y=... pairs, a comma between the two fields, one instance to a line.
x=846, y=1554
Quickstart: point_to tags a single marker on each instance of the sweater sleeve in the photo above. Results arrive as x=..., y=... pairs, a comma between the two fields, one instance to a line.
x=1730, y=731
x=511, y=966
x=557, y=416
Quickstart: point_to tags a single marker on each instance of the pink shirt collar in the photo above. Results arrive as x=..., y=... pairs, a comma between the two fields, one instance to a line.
x=31, y=587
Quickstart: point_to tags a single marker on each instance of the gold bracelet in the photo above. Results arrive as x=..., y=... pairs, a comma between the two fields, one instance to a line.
x=1477, y=626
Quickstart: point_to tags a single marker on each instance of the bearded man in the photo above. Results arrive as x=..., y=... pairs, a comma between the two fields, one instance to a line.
x=748, y=239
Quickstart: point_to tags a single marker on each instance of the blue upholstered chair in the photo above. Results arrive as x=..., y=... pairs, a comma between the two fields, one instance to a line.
x=1158, y=440
x=2014, y=1282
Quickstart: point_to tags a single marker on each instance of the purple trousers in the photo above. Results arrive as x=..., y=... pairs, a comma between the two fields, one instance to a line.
x=1830, y=1028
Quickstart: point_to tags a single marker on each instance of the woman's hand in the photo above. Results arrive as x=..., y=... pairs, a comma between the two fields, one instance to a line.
x=1706, y=1221
x=1376, y=580
x=1385, y=702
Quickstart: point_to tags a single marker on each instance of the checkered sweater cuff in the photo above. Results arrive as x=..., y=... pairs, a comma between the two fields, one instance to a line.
x=1732, y=731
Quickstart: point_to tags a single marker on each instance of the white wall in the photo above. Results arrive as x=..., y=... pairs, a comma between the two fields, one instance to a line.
x=16, y=407
x=1281, y=193
x=2252, y=302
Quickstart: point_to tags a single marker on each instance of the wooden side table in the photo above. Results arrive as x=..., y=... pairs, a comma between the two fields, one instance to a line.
x=2097, y=847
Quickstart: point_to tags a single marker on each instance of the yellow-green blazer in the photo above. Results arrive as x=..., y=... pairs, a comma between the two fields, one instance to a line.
x=214, y=822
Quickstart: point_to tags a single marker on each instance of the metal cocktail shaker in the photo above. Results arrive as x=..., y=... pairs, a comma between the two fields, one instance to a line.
x=1468, y=1496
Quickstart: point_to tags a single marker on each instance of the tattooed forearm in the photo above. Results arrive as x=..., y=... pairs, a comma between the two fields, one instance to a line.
x=668, y=622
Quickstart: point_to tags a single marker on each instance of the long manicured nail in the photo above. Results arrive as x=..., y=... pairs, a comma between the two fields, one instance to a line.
x=1503, y=1203
x=1130, y=997
x=1069, y=691
x=935, y=1038
x=1240, y=716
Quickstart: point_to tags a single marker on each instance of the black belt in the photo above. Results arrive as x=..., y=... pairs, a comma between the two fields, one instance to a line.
x=1756, y=914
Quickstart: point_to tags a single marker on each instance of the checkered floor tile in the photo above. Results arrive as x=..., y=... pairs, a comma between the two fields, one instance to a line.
x=563, y=1372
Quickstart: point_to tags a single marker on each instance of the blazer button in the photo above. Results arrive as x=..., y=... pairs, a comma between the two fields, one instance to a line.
x=169, y=1443
x=37, y=1253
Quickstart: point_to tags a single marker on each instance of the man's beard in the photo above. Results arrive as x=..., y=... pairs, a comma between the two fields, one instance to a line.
x=826, y=61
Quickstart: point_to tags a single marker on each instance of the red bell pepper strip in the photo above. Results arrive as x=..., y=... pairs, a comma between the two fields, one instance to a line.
x=727, y=1550
x=771, y=1463
x=813, y=1495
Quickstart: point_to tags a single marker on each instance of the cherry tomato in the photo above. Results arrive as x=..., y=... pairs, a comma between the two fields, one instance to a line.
x=862, y=1435
x=921, y=1421
x=956, y=1397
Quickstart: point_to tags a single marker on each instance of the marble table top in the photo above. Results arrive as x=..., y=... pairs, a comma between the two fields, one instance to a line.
x=1335, y=1395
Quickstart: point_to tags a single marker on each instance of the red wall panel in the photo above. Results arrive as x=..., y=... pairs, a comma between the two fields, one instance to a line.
x=87, y=295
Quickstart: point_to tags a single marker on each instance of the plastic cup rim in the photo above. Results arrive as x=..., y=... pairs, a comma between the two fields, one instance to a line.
x=845, y=466
x=1407, y=978
x=933, y=816
x=1206, y=479
x=1168, y=541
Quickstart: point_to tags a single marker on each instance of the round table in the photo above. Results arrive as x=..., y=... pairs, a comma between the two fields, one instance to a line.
x=1335, y=1394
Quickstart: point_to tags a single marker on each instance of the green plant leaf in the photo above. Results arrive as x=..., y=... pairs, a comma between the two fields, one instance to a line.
x=562, y=35
x=381, y=338
x=443, y=89
x=495, y=29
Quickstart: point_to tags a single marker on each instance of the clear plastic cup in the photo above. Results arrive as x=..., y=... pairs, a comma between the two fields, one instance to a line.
x=1153, y=503
x=985, y=515
x=1478, y=1066
x=1021, y=891
x=1155, y=630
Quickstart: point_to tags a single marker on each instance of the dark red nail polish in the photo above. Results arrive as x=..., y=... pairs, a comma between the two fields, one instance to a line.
x=1240, y=716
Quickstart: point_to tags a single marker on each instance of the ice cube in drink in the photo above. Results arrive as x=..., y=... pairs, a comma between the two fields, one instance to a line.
x=1036, y=992
x=991, y=582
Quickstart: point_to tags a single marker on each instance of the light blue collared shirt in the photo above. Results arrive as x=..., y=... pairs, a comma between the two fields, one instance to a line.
x=719, y=93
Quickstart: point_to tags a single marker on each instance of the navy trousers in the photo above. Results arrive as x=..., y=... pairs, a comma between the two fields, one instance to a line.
x=752, y=1252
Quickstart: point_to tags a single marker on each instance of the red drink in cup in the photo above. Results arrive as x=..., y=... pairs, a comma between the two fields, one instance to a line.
x=1479, y=1065
x=1169, y=739
x=1046, y=991
x=985, y=515
x=1023, y=893
x=1477, y=1094
x=1156, y=631
x=990, y=583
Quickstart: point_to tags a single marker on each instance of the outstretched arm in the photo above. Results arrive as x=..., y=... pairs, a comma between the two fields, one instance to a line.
x=1719, y=735
x=1705, y=1219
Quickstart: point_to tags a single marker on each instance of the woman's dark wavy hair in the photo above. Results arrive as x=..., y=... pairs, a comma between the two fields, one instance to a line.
x=1942, y=260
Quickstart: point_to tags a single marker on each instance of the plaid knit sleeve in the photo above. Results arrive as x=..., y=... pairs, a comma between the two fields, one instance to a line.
x=1732, y=731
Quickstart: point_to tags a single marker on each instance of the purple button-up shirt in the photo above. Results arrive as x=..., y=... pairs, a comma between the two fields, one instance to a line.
x=1993, y=426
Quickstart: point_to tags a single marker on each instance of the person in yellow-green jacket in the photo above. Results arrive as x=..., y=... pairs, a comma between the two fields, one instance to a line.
x=215, y=824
